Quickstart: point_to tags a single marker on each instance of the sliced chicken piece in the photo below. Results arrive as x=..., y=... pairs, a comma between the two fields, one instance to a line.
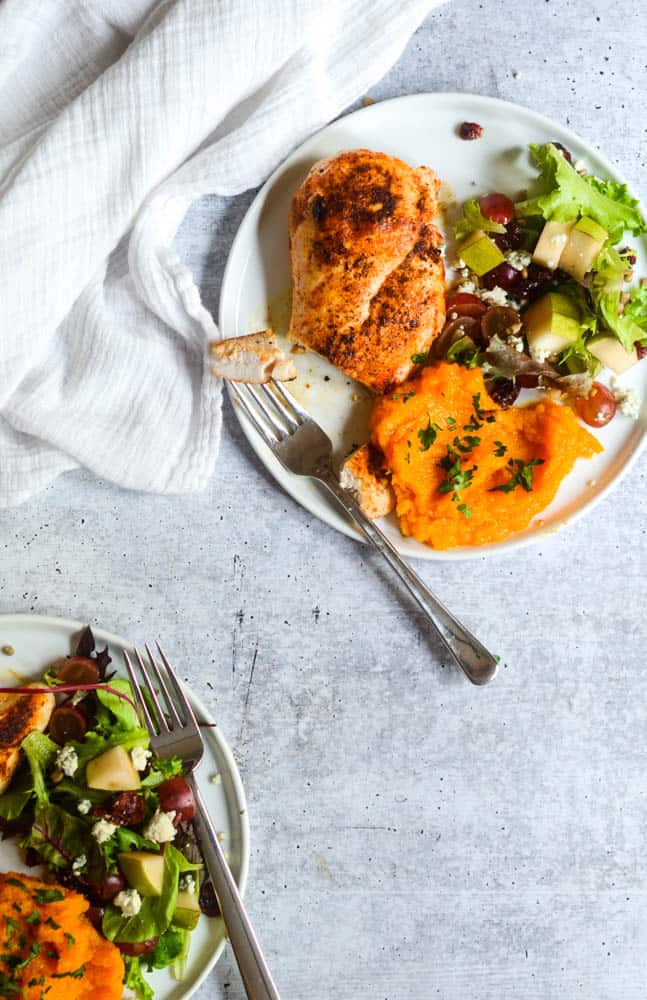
x=367, y=272
x=20, y=714
x=256, y=357
x=363, y=473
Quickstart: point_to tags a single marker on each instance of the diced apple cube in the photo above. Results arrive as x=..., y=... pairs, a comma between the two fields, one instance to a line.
x=551, y=243
x=612, y=354
x=480, y=253
x=112, y=771
x=584, y=244
x=551, y=324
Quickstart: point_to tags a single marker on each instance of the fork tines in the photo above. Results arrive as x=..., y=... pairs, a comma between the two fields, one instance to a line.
x=159, y=718
x=280, y=412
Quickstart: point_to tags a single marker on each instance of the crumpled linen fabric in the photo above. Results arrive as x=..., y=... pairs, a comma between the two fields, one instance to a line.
x=115, y=116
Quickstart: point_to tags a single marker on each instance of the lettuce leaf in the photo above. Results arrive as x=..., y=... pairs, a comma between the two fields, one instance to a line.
x=156, y=912
x=40, y=752
x=636, y=310
x=566, y=195
x=504, y=361
x=59, y=837
x=124, y=713
x=134, y=979
x=13, y=801
x=170, y=947
x=473, y=219
x=94, y=743
x=606, y=291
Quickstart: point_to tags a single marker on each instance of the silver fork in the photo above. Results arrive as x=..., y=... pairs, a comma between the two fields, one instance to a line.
x=174, y=732
x=304, y=448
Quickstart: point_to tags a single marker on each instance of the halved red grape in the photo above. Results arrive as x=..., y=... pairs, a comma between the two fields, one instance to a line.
x=503, y=276
x=136, y=948
x=67, y=723
x=598, y=408
x=78, y=670
x=497, y=207
x=175, y=795
x=465, y=304
x=95, y=916
x=500, y=321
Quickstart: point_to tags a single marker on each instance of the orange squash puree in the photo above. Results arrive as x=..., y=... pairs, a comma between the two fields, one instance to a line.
x=443, y=395
x=43, y=928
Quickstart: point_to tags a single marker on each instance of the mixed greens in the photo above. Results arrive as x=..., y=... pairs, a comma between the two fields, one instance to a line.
x=107, y=818
x=544, y=296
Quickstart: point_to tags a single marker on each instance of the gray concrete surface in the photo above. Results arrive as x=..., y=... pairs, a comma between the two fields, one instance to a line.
x=412, y=837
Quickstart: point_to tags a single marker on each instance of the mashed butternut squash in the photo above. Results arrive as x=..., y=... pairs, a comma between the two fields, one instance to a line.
x=48, y=948
x=464, y=471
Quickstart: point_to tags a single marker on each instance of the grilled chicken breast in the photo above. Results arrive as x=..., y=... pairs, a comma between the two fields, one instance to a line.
x=20, y=714
x=365, y=475
x=256, y=357
x=367, y=274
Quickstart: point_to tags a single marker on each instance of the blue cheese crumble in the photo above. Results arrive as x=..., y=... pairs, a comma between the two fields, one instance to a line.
x=160, y=827
x=67, y=760
x=102, y=831
x=129, y=902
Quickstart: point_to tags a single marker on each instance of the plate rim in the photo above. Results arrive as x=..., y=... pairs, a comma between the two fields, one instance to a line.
x=506, y=546
x=113, y=639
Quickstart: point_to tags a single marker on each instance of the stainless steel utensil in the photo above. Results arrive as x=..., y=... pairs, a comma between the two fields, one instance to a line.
x=174, y=732
x=305, y=449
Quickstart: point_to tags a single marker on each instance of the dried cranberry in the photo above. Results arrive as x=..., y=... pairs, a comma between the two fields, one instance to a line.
x=512, y=239
x=526, y=380
x=208, y=900
x=538, y=280
x=470, y=130
x=504, y=392
x=136, y=948
x=563, y=150
x=124, y=809
x=641, y=350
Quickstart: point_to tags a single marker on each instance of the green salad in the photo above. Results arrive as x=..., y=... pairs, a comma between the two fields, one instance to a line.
x=91, y=803
x=545, y=294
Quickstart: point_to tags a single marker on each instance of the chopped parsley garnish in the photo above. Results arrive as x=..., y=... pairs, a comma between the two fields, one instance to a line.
x=500, y=449
x=451, y=423
x=456, y=477
x=420, y=359
x=479, y=417
x=43, y=896
x=17, y=884
x=70, y=939
x=76, y=974
x=521, y=474
x=428, y=435
x=464, y=510
x=52, y=923
x=466, y=444
x=404, y=396
x=33, y=918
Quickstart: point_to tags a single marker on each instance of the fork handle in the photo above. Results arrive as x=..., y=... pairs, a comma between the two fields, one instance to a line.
x=251, y=963
x=472, y=657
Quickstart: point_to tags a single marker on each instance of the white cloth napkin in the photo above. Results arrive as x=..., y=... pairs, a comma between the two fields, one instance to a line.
x=115, y=115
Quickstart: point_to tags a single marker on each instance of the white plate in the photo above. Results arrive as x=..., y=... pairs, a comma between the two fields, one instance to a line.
x=39, y=640
x=420, y=129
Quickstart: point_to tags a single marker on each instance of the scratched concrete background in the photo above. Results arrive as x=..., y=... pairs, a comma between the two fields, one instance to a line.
x=412, y=837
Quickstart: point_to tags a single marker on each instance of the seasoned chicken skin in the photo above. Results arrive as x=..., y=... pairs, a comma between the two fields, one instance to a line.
x=368, y=279
x=20, y=714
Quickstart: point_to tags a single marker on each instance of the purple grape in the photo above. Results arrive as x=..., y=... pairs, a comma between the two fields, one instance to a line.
x=503, y=276
x=504, y=392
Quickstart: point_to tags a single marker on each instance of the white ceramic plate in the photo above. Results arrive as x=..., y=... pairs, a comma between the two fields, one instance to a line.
x=39, y=640
x=420, y=129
